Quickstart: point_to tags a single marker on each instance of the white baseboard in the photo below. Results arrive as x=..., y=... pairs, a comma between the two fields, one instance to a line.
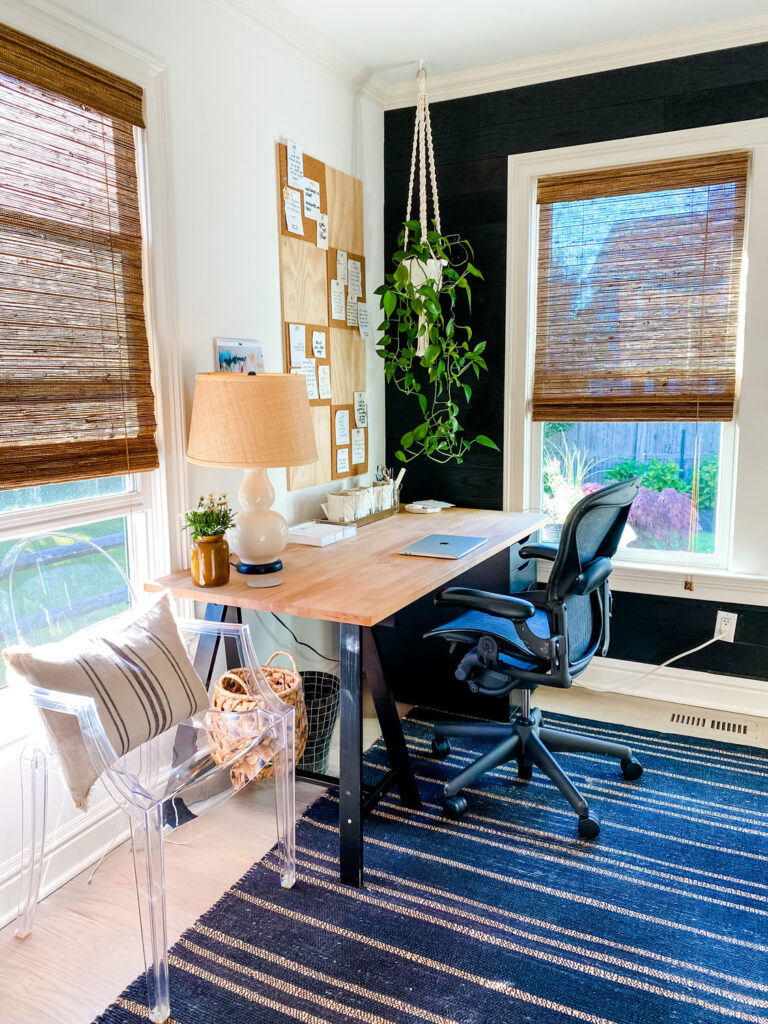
x=678, y=686
x=70, y=849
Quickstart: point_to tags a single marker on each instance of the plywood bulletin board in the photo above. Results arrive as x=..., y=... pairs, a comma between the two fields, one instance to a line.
x=330, y=346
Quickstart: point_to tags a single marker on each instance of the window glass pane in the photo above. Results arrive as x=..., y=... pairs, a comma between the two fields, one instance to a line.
x=668, y=514
x=55, y=494
x=73, y=591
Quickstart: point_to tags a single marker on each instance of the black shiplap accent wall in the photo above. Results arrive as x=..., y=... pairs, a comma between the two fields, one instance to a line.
x=473, y=138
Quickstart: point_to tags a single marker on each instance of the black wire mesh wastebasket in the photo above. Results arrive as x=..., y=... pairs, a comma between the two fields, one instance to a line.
x=321, y=695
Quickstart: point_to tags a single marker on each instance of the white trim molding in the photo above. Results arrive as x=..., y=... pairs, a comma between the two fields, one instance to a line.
x=742, y=575
x=587, y=60
x=730, y=694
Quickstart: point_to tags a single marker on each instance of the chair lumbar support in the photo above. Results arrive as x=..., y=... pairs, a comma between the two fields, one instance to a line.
x=543, y=637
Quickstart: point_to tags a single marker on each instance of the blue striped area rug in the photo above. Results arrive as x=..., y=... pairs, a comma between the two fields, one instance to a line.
x=506, y=916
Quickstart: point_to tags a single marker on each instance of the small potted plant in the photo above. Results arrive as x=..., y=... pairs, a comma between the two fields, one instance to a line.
x=209, y=554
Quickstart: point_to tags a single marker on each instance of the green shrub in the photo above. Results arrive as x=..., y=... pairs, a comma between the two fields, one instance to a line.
x=708, y=469
x=625, y=469
x=657, y=476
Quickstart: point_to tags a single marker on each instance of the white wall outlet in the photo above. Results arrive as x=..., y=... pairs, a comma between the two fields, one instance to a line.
x=725, y=626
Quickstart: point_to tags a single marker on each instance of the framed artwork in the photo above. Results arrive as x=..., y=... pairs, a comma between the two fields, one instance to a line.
x=238, y=355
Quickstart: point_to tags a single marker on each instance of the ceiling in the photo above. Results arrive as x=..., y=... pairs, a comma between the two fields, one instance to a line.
x=388, y=37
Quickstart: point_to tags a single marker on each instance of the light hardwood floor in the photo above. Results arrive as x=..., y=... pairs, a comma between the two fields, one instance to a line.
x=85, y=947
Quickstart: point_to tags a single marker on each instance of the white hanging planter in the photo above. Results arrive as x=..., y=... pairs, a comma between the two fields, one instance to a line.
x=422, y=271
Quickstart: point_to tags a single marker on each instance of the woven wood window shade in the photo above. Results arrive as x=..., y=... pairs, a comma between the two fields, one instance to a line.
x=638, y=291
x=75, y=393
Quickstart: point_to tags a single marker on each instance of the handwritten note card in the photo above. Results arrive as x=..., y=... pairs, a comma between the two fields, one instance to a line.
x=297, y=334
x=295, y=165
x=322, y=230
x=308, y=369
x=342, y=460
x=361, y=409
x=355, y=278
x=341, y=266
x=341, y=426
x=358, y=447
x=293, y=220
x=351, y=311
x=337, y=300
x=362, y=320
x=318, y=344
x=311, y=199
x=324, y=380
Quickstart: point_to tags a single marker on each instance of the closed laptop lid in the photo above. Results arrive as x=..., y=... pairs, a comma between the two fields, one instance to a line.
x=443, y=545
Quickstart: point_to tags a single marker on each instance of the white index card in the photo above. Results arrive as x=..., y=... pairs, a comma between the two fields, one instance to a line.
x=292, y=204
x=322, y=231
x=324, y=380
x=341, y=426
x=342, y=460
x=355, y=276
x=318, y=344
x=308, y=369
x=341, y=266
x=361, y=409
x=362, y=320
x=358, y=447
x=297, y=335
x=337, y=300
x=311, y=199
x=295, y=165
x=351, y=311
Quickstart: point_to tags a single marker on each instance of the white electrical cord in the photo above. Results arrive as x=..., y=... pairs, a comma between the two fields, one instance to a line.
x=639, y=679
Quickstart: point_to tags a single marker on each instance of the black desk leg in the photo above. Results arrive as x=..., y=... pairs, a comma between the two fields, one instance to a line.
x=208, y=646
x=389, y=721
x=351, y=757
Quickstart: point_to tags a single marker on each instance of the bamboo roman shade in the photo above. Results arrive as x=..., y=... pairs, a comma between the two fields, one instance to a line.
x=75, y=392
x=638, y=291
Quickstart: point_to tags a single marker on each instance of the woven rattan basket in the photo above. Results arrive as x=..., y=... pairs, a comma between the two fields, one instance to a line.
x=230, y=693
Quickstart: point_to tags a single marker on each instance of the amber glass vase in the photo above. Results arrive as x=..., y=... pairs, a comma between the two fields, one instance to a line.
x=209, y=561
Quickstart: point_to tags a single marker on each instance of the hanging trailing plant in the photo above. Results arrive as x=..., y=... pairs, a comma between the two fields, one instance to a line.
x=423, y=315
x=427, y=353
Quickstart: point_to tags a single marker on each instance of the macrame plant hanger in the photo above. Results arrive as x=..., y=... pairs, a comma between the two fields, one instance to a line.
x=423, y=155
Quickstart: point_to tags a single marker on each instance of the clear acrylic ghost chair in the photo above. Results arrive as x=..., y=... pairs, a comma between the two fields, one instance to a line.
x=53, y=585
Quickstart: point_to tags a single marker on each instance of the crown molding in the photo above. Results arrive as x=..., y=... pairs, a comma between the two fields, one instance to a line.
x=274, y=22
x=682, y=42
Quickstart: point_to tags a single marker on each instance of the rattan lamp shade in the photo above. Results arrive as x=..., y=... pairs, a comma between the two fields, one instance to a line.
x=245, y=420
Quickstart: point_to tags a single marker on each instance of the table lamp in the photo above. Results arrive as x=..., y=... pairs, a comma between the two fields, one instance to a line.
x=253, y=422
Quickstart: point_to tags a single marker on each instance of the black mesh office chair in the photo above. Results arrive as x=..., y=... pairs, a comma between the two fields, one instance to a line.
x=545, y=637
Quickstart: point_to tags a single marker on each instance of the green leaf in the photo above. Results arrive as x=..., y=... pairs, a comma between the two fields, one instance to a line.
x=388, y=302
x=487, y=442
x=479, y=348
x=407, y=439
x=423, y=404
x=401, y=456
x=421, y=431
x=467, y=391
x=474, y=272
x=433, y=351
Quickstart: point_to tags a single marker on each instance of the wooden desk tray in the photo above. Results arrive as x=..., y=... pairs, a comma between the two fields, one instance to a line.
x=374, y=517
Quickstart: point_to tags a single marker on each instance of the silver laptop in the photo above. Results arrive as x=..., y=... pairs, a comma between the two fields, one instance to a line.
x=442, y=545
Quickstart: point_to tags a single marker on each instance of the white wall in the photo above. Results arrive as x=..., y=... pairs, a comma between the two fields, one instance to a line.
x=232, y=92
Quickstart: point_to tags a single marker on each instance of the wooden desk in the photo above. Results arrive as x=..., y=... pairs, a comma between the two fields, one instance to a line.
x=359, y=583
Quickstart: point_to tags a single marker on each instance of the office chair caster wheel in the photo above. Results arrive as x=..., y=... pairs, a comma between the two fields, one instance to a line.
x=440, y=747
x=589, y=826
x=524, y=771
x=631, y=768
x=454, y=807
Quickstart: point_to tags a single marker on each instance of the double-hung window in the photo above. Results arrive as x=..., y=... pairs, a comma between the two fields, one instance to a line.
x=77, y=416
x=637, y=328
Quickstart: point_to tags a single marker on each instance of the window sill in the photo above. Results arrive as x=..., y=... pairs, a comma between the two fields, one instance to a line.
x=668, y=581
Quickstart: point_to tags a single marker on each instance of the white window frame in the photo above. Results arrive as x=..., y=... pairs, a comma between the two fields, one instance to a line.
x=153, y=509
x=742, y=572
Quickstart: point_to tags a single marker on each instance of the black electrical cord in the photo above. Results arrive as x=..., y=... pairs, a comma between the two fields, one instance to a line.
x=301, y=643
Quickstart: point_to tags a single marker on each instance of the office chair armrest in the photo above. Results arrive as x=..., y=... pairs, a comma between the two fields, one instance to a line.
x=592, y=576
x=548, y=551
x=513, y=608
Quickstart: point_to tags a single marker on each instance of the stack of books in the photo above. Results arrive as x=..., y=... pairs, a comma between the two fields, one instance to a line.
x=320, y=534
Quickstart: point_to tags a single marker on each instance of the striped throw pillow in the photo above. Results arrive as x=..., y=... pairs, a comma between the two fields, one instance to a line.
x=139, y=675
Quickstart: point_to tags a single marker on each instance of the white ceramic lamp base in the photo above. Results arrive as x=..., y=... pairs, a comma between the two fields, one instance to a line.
x=263, y=532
